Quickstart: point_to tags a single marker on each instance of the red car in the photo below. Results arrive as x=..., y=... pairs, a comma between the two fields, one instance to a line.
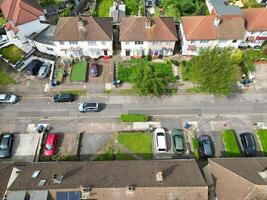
x=51, y=144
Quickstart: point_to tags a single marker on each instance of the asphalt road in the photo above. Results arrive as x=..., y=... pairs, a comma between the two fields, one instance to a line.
x=34, y=107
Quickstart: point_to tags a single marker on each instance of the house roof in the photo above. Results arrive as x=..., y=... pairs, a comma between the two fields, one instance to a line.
x=203, y=28
x=111, y=174
x=256, y=19
x=21, y=11
x=162, y=29
x=93, y=28
x=247, y=168
x=222, y=8
x=5, y=172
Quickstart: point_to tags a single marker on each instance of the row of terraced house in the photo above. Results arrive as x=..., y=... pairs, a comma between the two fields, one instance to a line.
x=226, y=26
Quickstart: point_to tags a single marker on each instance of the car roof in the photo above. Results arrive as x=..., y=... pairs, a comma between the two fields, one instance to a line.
x=50, y=138
x=161, y=141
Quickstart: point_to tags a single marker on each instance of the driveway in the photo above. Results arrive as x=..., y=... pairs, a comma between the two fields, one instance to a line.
x=92, y=143
x=105, y=73
x=25, y=147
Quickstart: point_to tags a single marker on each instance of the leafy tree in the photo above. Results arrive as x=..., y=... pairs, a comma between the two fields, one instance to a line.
x=147, y=79
x=215, y=70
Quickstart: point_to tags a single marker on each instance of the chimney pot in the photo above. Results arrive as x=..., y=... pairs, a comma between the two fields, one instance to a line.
x=159, y=177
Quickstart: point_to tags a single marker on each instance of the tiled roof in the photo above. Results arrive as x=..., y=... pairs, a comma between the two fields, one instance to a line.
x=203, y=28
x=93, y=28
x=21, y=11
x=111, y=174
x=256, y=19
x=5, y=172
x=162, y=29
x=222, y=8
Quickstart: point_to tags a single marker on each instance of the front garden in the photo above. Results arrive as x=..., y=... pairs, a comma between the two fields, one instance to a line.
x=230, y=143
x=147, y=77
x=130, y=146
x=103, y=7
x=5, y=79
x=79, y=71
x=12, y=53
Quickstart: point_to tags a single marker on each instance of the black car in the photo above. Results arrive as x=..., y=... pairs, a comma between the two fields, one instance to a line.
x=6, y=143
x=33, y=67
x=249, y=144
x=205, y=146
x=63, y=98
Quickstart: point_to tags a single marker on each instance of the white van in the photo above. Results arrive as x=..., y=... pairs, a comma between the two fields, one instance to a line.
x=161, y=142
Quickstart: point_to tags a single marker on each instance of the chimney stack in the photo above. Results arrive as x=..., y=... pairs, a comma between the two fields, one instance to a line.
x=159, y=177
x=263, y=174
x=217, y=21
x=148, y=22
x=80, y=23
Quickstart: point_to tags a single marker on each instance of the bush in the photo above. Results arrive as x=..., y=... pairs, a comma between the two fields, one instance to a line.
x=134, y=118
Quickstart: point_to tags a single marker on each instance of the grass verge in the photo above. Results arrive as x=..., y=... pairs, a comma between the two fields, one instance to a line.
x=5, y=79
x=230, y=143
x=133, y=118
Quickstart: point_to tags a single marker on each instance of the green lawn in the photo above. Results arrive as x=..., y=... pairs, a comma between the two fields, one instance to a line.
x=59, y=73
x=75, y=92
x=195, y=147
x=12, y=53
x=67, y=11
x=2, y=21
x=230, y=143
x=134, y=118
x=126, y=70
x=138, y=142
x=78, y=72
x=5, y=79
x=103, y=7
x=262, y=134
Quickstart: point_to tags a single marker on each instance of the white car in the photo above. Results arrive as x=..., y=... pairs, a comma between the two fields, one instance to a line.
x=161, y=142
x=89, y=107
x=8, y=98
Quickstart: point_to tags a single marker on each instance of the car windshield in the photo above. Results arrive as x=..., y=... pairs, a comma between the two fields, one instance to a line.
x=160, y=134
x=48, y=146
x=4, y=143
x=7, y=97
x=89, y=105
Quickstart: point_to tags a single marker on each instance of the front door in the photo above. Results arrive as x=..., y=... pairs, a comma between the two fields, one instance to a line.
x=127, y=53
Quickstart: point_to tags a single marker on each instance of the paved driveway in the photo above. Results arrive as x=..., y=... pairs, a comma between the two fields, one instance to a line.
x=105, y=73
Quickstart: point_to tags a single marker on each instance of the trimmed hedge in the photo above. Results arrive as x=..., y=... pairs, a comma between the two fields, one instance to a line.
x=134, y=118
x=230, y=143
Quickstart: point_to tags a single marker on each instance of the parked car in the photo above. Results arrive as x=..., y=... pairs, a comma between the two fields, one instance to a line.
x=205, y=146
x=6, y=143
x=33, y=67
x=9, y=98
x=89, y=107
x=44, y=70
x=161, y=143
x=51, y=144
x=178, y=140
x=94, y=70
x=66, y=97
x=249, y=144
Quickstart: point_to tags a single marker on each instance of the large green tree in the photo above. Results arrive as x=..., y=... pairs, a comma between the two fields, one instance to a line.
x=216, y=70
x=148, y=79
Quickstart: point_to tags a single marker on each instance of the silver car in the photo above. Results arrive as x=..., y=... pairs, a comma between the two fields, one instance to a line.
x=89, y=107
x=44, y=70
x=9, y=98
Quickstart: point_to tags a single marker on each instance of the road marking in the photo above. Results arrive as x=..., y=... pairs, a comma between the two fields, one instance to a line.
x=36, y=97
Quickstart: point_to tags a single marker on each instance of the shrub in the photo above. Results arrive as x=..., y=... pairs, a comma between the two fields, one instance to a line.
x=134, y=118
